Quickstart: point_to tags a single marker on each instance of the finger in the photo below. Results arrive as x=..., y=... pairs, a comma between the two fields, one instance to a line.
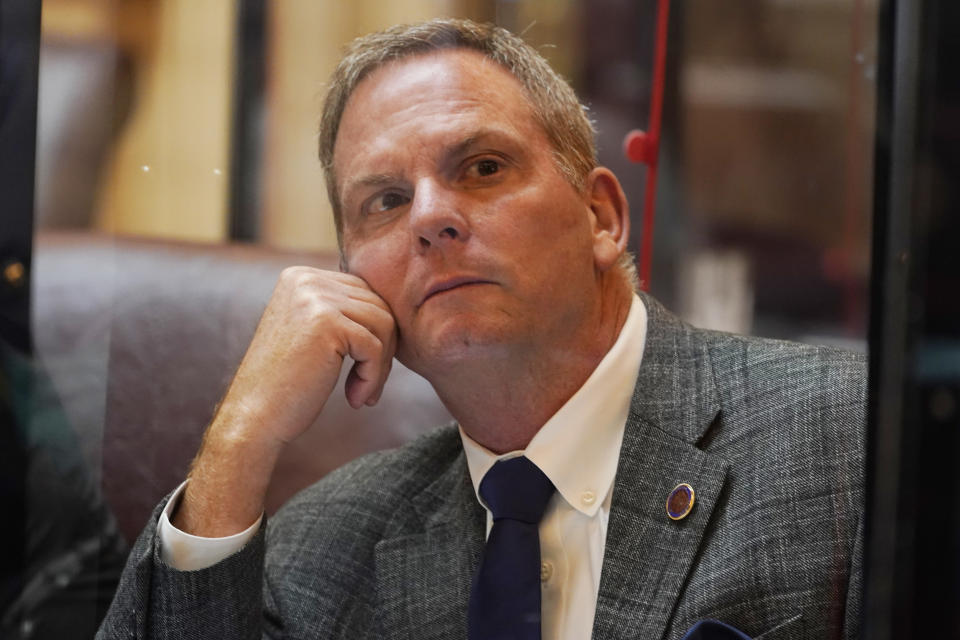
x=327, y=282
x=368, y=372
x=376, y=319
x=359, y=392
x=356, y=287
x=347, y=279
x=363, y=292
x=386, y=374
x=367, y=379
x=336, y=287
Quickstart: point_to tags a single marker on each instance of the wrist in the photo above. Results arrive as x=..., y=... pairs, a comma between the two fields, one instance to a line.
x=228, y=483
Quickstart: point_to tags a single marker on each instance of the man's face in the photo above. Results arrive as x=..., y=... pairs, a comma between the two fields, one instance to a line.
x=455, y=213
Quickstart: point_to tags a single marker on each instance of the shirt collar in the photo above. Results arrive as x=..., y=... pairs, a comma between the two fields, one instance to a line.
x=579, y=446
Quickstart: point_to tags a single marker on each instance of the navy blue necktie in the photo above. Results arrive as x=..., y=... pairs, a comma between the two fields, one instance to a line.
x=505, y=597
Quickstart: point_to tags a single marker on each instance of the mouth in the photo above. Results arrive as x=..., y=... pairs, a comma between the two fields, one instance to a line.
x=452, y=283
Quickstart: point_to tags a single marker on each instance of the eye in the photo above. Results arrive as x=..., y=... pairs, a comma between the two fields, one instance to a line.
x=483, y=168
x=488, y=167
x=387, y=201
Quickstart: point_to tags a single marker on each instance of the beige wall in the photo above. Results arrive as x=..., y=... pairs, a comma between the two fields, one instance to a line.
x=168, y=175
x=169, y=171
x=306, y=38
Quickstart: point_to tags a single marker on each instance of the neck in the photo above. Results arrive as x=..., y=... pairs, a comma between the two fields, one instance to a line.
x=503, y=399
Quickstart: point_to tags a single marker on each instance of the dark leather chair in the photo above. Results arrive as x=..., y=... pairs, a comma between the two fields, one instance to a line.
x=140, y=339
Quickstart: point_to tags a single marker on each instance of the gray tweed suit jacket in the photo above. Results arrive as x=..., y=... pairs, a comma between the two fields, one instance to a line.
x=770, y=435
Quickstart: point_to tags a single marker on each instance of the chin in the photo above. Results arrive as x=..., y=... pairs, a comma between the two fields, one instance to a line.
x=452, y=346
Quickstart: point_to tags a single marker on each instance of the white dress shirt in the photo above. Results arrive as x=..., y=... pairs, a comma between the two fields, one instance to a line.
x=578, y=449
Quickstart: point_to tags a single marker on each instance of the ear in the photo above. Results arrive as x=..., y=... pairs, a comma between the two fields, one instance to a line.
x=610, y=217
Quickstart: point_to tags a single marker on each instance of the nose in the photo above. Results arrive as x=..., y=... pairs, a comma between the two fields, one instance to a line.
x=436, y=218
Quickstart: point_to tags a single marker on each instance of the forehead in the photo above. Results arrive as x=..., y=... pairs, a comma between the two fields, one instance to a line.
x=418, y=99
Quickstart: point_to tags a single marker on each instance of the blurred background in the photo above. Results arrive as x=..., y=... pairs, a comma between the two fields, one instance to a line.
x=197, y=121
x=176, y=174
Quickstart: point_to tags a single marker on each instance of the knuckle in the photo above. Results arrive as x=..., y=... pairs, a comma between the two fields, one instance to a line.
x=291, y=275
x=320, y=311
x=297, y=277
x=384, y=319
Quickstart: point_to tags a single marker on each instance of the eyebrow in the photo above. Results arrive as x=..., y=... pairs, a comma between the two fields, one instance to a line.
x=448, y=155
x=373, y=180
x=459, y=148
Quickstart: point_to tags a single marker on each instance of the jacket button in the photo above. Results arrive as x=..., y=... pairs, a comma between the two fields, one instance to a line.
x=546, y=571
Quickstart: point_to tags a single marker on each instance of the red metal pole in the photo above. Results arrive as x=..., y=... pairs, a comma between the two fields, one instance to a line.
x=644, y=147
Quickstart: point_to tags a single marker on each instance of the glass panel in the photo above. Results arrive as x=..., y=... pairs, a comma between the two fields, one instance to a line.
x=765, y=187
x=170, y=129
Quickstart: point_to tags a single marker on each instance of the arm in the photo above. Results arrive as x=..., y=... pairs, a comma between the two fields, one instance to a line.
x=313, y=321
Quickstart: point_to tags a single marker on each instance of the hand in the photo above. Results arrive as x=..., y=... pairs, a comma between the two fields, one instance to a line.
x=313, y=321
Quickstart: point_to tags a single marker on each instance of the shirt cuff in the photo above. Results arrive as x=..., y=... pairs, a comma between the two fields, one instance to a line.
x=186, y=552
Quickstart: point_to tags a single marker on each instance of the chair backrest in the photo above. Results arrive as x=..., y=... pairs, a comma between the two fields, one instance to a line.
x=141, y=338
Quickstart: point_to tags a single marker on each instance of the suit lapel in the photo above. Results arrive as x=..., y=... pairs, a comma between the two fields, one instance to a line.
x=423, y=578
x=424, y=572
x=647, y=555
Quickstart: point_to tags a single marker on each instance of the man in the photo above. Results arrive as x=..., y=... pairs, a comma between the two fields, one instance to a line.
x=484, y=249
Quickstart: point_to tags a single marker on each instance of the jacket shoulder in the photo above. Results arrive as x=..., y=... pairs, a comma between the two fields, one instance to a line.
x=785, y=538
x=783, y=380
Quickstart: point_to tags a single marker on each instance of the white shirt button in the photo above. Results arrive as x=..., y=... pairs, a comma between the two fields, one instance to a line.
x=546, y=571
x=588, y=497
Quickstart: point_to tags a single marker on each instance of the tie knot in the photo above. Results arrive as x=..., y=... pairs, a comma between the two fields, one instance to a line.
x=516, y=489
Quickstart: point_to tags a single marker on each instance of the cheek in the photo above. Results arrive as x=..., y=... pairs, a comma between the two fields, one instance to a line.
x=553, y=226
x=381, y=265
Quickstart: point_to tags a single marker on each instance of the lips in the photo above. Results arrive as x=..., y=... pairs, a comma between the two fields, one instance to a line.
x=451, y=283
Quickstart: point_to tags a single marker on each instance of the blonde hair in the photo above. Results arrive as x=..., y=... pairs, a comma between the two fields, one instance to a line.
x=555, y=106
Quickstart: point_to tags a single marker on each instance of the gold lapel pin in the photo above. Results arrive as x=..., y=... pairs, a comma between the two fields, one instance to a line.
x=680, y=501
